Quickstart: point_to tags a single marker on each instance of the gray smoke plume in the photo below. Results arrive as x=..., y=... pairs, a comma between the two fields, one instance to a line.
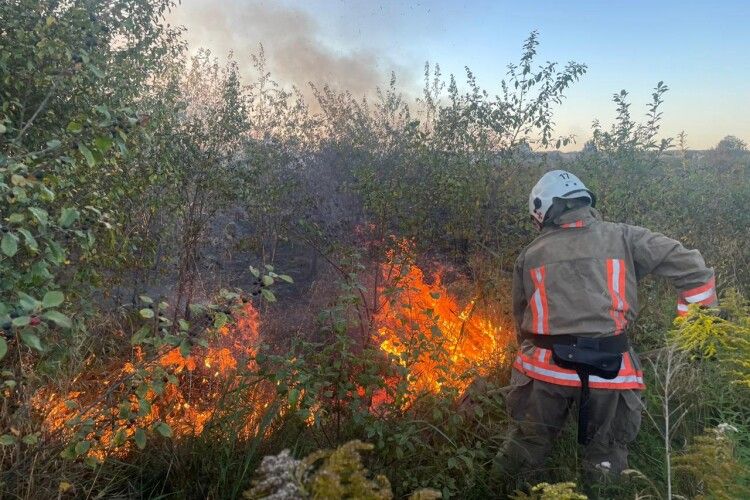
x=291, y=40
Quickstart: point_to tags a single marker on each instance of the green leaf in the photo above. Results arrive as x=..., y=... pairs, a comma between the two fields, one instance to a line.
x=146, y=313
x=3, y=129
x=267, y=280
x=54, y=144
x=164, y=429
x=220, y=320
x=46, y=194
x=268, y=295
x=9, y=244
x=254, y=271
x=144, y=407
x=30, y=240
x=21, y=321
x=103, y=144
x=55, y=252
x=7, y=440
x=28, y=302
x=140, y=438
x=68, y=453
x=58, y=318
x=96, y=71
x=146, y=299
x=286, y=277
x=184, y=325
x=3, y=347
x=31, y=438
x=31, y=340
x=185, y=348
x=102, y=109
x=172, y=340
x=436, y=331
x=40, y=214
x=83, y=447
x=139, y=336
x=142, y=390
x=68, y=216
x=119, y=438
x=74, y=127
x=86, y=152
x=52, y=299
x=293, y=396
x=158, y=386
x=16, y=218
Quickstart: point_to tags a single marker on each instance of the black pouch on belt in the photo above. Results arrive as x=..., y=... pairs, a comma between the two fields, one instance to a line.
x=588, y=356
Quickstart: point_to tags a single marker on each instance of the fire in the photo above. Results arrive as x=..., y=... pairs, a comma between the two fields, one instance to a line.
x=187, y=397
x=440, y=342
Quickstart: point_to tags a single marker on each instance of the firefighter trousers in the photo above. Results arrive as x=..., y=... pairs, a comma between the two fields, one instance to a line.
x=538, y=411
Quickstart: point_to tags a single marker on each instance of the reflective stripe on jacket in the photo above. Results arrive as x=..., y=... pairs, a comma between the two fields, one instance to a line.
x=580, y=276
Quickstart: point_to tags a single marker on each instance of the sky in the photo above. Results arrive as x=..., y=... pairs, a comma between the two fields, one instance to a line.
x=700, y=49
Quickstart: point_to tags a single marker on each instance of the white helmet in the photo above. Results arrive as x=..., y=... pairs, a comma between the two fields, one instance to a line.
x=556, y=184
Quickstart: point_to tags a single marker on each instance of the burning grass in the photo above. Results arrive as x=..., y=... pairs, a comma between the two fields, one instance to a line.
x=173, y=394
x=426, y=329
x=438, y=341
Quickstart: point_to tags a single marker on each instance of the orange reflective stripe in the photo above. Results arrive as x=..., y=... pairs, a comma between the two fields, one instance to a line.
x=540, y=353
x=628, y=378
x=548, y=356
x=682, y=307
x=538, y=303
x=616, y=283
x=535, y=305
x=621, y=292
x=704, y=294
x=578, y=223
x=627, y=366
x=699, y=289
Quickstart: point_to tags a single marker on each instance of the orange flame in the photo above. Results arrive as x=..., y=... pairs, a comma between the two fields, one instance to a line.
x=441, y=343
x=187, y=401
x=422, y=326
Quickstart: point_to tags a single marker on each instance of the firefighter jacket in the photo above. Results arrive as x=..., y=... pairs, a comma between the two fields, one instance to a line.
x=579, y=277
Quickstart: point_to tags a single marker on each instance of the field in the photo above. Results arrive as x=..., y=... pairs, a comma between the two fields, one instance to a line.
x=199, y=269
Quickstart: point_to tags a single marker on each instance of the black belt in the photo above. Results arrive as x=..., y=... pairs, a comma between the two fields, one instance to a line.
x=600, y=356
x=612, y=344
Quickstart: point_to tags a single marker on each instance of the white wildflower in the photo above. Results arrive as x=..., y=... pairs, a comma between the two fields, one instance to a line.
x=723, y=428
x=276, y=479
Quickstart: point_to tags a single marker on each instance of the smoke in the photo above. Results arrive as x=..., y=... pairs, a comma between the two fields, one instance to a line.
x=292, y=41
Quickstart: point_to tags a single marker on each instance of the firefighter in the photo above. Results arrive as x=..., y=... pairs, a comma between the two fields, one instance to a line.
x=574, y=296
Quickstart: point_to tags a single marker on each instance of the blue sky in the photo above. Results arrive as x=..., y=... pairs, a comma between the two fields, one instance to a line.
x=700, y=49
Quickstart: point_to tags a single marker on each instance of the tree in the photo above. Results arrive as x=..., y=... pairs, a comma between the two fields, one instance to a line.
x=731, y=144
x=72, y=75
x=209, y=170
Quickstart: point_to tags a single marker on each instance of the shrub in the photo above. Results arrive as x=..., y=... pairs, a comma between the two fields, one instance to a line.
x=324, y=474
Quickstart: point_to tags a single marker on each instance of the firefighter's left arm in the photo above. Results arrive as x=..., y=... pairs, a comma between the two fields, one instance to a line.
x=657, y=254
